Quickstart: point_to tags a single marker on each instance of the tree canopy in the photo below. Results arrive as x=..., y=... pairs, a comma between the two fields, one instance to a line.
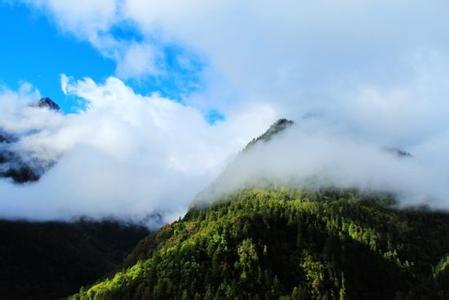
x=283, y=243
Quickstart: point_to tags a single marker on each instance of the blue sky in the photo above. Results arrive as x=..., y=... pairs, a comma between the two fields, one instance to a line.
x=36, y=51
x=44, y=54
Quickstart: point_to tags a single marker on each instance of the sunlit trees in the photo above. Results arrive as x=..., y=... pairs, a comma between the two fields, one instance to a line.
x=288, y=244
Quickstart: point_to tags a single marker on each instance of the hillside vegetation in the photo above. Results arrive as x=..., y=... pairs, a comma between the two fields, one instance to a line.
x=289, y=244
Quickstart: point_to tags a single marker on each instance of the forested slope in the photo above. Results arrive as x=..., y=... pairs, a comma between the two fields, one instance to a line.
x=271, y=243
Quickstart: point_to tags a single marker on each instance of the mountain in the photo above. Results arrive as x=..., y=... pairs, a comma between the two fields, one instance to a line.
x=21, y=167
x=274, y=130
x=48, y=103
x=228, y=175
x=50, y=260
x=289, y=243
x=13, y=165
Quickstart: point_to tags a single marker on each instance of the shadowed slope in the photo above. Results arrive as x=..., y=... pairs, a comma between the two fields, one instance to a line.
x=49, y=260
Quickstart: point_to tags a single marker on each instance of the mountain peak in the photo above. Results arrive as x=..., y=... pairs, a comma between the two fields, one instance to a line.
x=275, y=128
x=48, y=103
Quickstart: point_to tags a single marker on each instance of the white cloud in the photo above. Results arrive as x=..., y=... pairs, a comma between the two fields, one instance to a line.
x=314, y=155
x=287, y=41
x=299, y=56
x=289, y=47
x=138, y=61
x=85, y=18
x=375, y=72
x=125, y=155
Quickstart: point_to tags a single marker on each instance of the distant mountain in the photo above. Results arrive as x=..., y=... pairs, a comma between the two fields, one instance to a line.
x=48, y=103
x=19, y=167
x=13, y=166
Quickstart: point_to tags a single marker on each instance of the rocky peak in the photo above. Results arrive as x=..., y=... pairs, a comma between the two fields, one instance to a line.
x=277, y=127
x=48, y=103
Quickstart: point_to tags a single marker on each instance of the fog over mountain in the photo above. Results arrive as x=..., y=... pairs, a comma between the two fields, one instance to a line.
x=122, y=170
x=356, y=79
x=312, y=156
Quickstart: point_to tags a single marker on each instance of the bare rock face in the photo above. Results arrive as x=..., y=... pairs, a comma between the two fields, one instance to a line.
x=16, y=167
x=276, y=128
x=48, y=103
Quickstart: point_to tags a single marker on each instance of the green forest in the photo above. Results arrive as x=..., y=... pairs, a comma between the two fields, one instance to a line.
x=283, y=243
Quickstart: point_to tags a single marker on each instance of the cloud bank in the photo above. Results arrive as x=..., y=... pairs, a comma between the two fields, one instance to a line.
x=125, y=155
x=357, y=74
x=379, y=68
x=312, y=155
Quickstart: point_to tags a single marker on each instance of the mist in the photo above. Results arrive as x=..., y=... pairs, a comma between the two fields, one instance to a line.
x=130, y=156
x=312, y=155
x=125, y=156
x=355, y=77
